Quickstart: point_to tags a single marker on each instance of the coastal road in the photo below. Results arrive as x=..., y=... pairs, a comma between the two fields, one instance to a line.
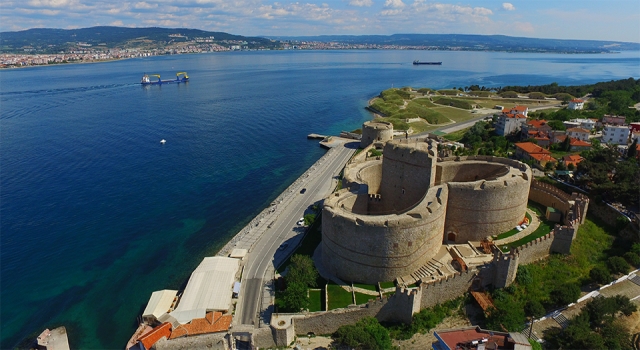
x=319, y=183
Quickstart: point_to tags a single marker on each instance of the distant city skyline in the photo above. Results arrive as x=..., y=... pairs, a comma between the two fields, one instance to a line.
x=617, y=20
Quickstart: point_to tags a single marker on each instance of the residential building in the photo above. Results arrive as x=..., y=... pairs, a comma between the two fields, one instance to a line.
x=579, y=133
x=509, y=123
x=635, y=136
x=576, y=103
x=530, y=151
x=574, y=144
x=516, y=110
x=476, y=338
x=615, y=134
x=571, y=124
x=588, y=124
x=634, y=126
x=574, y=159
x=531, y=127
x=613, y=120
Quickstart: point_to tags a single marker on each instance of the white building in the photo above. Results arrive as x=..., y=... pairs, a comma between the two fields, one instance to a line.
x=509, y=123
x=576, y=103
x=588, y=124
x=578, y=133
x=615, y=134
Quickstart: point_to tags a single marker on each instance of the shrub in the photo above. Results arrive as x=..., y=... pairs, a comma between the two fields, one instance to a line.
x=509, y=94
x=600, y=275
x=617, y=264
x=537, y=95
x=565, y=294
x=375, y=153
x=632, y=258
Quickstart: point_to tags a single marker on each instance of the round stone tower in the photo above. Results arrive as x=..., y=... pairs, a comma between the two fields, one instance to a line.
x=373, y=131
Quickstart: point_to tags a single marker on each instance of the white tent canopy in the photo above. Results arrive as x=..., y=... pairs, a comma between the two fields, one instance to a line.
x=159, y=303
x=209, y=288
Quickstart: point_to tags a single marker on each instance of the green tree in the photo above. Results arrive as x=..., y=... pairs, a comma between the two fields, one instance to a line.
x=309, y=219
x=632, y=258
x=534, y=308
x=302, y=270
x=295, y=297
x=557, y=125
x=633, y=150
x=565, y=294
x=365, y=334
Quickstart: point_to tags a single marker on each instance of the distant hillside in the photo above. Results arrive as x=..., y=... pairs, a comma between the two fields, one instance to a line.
x=476, y=42
x=53, y=40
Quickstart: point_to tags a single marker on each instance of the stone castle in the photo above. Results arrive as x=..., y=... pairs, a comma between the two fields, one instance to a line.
x=423, y=221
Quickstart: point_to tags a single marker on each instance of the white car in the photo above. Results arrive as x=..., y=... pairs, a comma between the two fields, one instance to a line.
x=301, y=222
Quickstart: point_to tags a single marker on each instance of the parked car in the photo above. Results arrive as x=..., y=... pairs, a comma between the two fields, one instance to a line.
x=302, y=191
x=283, y=246
x=301, y=222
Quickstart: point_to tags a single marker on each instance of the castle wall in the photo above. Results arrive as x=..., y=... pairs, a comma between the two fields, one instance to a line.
x=446, y=289
x=408, y=170
x=399, y=307
x=488, y=206
x=375, y=248
x=551, y=196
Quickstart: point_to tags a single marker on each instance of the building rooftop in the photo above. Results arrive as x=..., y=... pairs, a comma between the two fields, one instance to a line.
x=160, y=303
x=531, y=148
x=537, y=123
x=477, y=338
x=582, y=130
x=163, y=330
x=208, y=289
x=212, y=322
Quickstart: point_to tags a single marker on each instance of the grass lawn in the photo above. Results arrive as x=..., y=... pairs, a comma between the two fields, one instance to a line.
x=366, y=286
x=338, y=297
x=363, y=298
x=384, y=285
x=490, y=103
x=421, y=126
x=315, y=300
x=456, y=135
x=455, y=114
x=512, y=231
x=424, y=101
x=544, y=228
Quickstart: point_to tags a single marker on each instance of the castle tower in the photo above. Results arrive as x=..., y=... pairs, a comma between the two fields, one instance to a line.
x=506, y=269
x=375, y=131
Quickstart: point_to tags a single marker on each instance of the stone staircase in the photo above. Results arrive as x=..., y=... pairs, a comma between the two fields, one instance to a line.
x=634, y=278
x=432, y=270
x=562, y=320
x=533, y=335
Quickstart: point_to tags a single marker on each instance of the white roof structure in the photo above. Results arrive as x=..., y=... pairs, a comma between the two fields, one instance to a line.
x=238, y=253
x=208, y=289
x=159, y=303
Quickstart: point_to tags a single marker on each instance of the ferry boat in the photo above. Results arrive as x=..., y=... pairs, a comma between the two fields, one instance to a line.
x=181, y=77
x=416, y=62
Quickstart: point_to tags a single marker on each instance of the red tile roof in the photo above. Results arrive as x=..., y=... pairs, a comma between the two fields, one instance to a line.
x=577, y=100
x=579, y=143
x=520, y=108
x=543, y=157
x=211, y=323
x=466, y=335
x=531, y=148
x=574, y=159
x=537, y=123
x=163, y=330
x=582, y=130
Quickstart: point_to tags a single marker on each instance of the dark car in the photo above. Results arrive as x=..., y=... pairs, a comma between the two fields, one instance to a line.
x=302, y=191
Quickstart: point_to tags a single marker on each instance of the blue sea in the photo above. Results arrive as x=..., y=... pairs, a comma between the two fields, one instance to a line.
x=96, y=213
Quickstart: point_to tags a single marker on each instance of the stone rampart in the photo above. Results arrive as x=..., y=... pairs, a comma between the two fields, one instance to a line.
x=446, y=289
x=373, y=248
x=399, y=307
x=551, y=196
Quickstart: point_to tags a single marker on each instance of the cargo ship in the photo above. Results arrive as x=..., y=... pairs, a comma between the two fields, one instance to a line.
x=416, y=62
x=181, y=77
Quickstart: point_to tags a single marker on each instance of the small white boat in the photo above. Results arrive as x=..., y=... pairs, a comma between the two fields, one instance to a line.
x=163, y=141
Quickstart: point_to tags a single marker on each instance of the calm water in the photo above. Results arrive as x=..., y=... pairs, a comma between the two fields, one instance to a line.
x=96, y=214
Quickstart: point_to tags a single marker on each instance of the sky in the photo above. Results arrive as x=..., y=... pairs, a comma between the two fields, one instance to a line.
x=616, y=20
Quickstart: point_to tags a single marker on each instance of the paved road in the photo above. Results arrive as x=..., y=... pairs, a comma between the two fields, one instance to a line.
x=319, y=184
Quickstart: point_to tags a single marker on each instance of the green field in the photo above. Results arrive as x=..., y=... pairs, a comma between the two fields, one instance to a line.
x=364, y=298
x=366, y=286
x=338, y=297
x=456, y=135
x=490, y=103
x=385, y=285
x=315, y=300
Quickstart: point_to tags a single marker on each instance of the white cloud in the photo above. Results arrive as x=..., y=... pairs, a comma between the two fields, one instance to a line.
x=508, y=6
x=52, y=3
x=396, y=4
x=361, y=3
x=145, y=6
